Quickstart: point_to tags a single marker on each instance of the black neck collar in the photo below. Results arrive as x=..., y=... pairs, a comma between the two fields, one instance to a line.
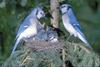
x=69, y=7
x=64, y=13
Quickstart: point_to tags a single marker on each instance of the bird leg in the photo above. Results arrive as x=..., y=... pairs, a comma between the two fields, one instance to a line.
x=73, y=41
x=68, y=37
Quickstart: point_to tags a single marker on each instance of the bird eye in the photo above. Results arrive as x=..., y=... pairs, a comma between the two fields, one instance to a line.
x=41, y=13
x=63, y=6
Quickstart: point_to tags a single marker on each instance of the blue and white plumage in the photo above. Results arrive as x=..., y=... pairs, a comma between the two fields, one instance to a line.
x=52, y=35
x=41, y=35
x=29, y=26
x=71, y=24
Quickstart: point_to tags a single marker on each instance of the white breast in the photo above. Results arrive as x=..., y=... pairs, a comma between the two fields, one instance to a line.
x=31, y=30
x=67, y=25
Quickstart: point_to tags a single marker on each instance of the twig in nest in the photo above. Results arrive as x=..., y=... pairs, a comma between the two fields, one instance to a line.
x=25, y=58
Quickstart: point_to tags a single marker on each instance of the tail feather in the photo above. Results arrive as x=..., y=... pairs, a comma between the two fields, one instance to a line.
x=82, y=38
x=15, y=46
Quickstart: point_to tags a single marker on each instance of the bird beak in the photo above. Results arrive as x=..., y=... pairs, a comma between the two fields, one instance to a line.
x=48, y=15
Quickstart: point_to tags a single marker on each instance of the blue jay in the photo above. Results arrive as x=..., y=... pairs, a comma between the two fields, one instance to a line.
x=52, y=35
x=29, y=26
x=42, y=34
x=71, y=24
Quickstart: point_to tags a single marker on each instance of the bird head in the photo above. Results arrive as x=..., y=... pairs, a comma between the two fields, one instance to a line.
x=64, y=8
x=38, y=12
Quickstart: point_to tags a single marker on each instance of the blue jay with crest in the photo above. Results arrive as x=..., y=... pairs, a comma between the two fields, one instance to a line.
x=29, y=26
x=71, y=24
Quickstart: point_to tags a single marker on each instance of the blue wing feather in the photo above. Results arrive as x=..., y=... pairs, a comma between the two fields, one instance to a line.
x=23, y=25
x=73, y=20
x=26, y=21
x=76, y=25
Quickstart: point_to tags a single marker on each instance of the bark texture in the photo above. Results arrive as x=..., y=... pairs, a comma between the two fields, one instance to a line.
x=55, y=13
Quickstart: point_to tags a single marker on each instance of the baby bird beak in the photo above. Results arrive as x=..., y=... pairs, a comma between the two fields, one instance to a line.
x=48, y=15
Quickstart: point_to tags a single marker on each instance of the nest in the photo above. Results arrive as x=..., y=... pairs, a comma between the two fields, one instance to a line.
x=43, y=45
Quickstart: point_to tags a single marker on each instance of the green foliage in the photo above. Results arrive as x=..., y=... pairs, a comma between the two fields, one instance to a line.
x=53, y=58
